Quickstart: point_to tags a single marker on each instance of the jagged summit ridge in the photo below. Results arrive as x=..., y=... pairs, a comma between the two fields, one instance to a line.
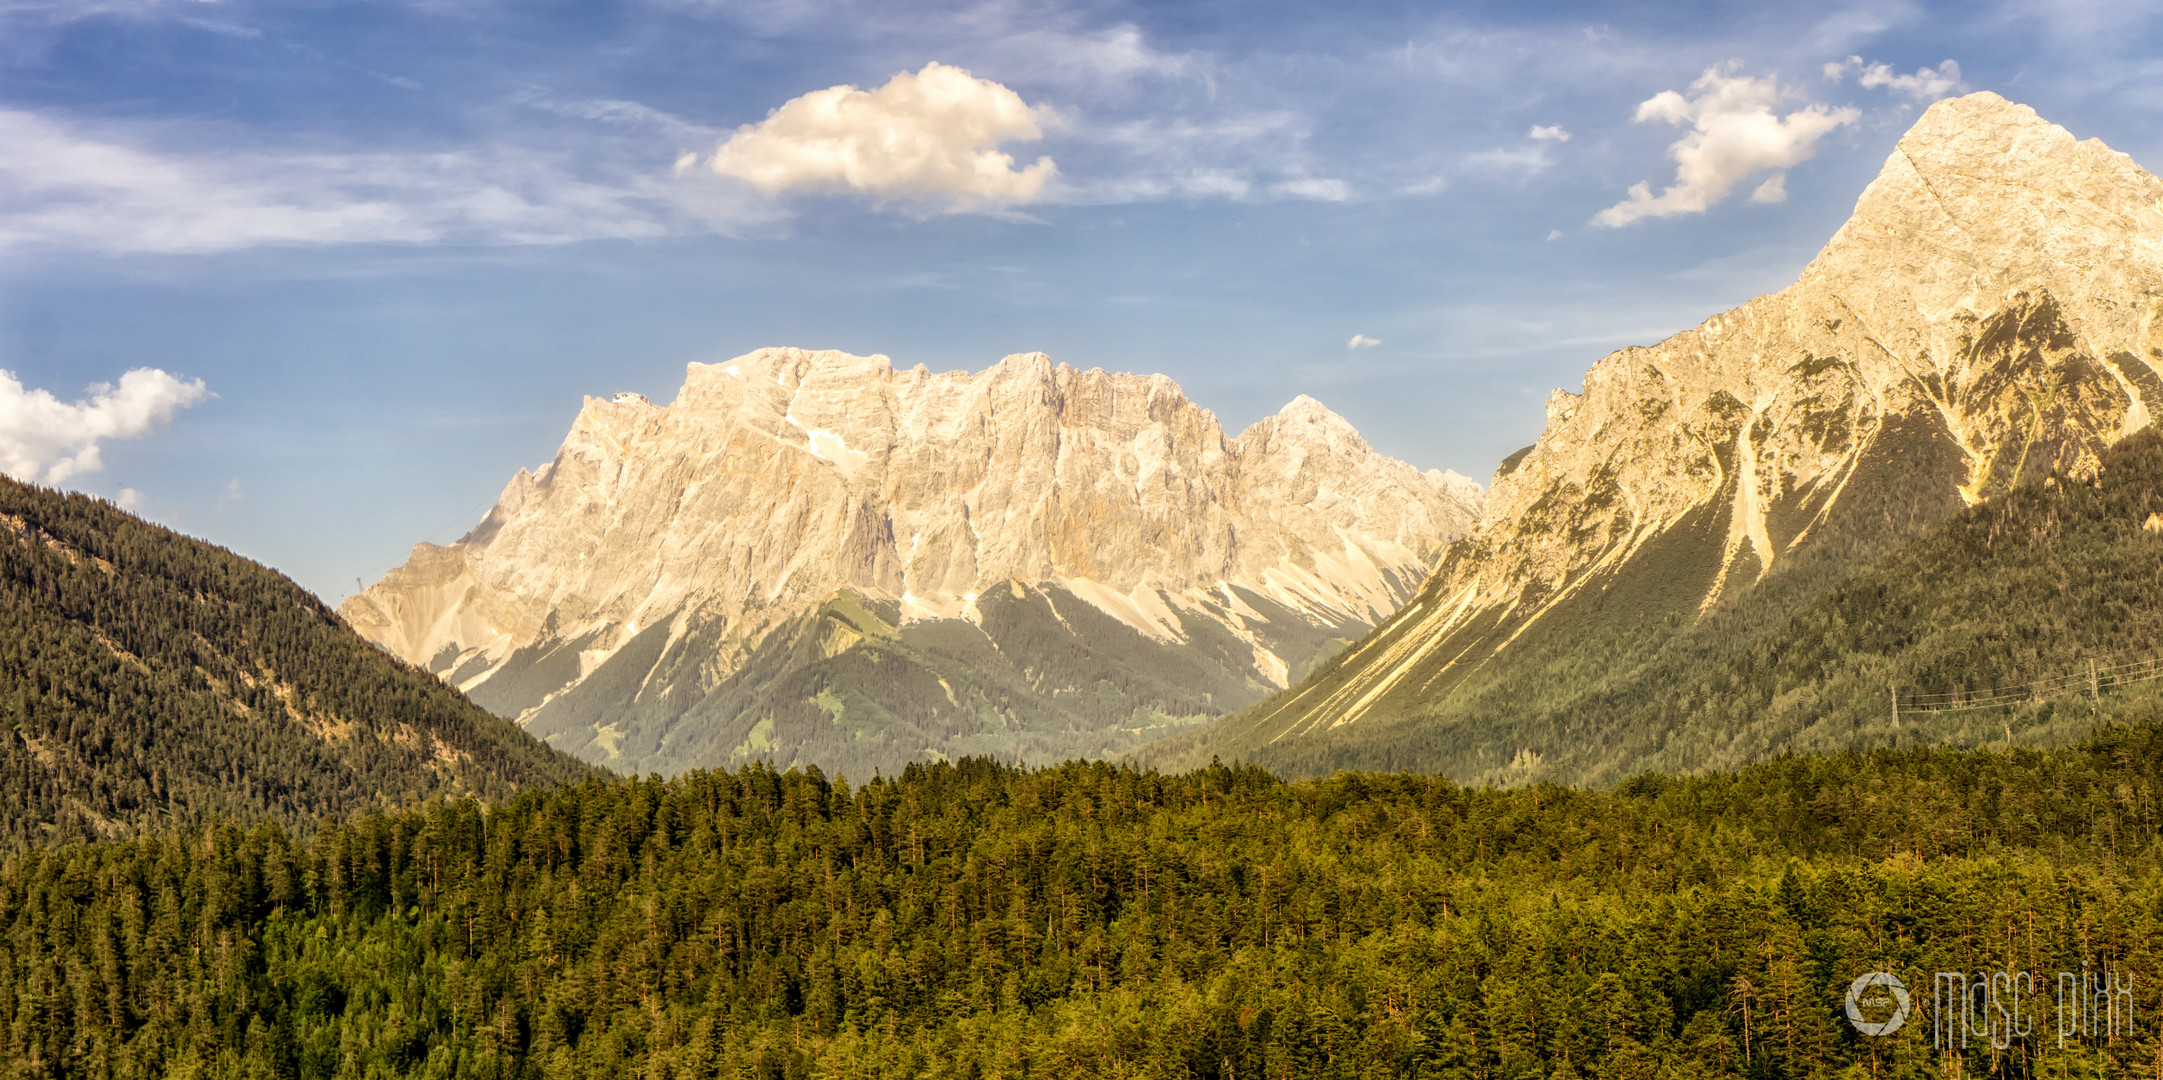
x=1988, y=314
x=1983, y=210
x=1983, y=198
x=779, y=479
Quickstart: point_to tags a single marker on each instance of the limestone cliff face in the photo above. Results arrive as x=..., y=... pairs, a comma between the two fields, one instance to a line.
x=1988, y=315
x=682, y=539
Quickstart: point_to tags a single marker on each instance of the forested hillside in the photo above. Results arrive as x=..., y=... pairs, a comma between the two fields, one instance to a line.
x=2031, y=586
x=2011, y=601
x=1087, y=920
x=148, y=679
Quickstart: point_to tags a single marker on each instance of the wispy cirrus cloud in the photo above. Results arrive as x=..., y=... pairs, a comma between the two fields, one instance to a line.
x=1147, y=111
x=1108, y=57
x=61, y=186
x=1923, y=87
x=113, y=189
x=1047, y=42
x=1244, y=156
x=1509, y=160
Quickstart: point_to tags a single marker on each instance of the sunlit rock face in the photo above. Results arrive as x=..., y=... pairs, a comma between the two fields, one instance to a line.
x=811, y=557
x=1987, y=316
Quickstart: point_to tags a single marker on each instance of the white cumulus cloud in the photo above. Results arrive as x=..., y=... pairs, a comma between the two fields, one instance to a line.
x=1545, y=132
x=1362, y=341
x=931, y=137
x=1926, y=85
x=45, y=440
x=1735, y=133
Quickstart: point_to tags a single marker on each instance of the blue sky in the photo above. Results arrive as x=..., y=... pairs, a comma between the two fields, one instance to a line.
x=396, y=243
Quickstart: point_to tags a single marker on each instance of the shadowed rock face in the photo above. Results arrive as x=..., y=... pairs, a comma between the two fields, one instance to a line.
x=1988, y=315
x=890, y=565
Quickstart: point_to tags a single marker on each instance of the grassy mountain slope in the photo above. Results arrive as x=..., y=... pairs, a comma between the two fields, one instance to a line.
x=150, y=679
x=1042, y=676
x=2028, y=586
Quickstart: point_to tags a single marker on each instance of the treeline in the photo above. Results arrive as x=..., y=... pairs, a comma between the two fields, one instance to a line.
x=149, y=680
x=974, y=920
x=2033, y=585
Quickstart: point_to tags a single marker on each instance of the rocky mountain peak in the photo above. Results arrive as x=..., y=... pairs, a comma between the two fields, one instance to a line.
x=783, y=479
x=1306, y=410
x=1983, y=136
x=1991, y=313
x=1304, y=423
x=1983, y=196
x=1980, y=128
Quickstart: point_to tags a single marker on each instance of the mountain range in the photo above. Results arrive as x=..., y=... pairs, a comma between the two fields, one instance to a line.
x=810, y=557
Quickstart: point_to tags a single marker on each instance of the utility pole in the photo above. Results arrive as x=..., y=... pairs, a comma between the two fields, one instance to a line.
x=2095, y=692
x=1896, y=706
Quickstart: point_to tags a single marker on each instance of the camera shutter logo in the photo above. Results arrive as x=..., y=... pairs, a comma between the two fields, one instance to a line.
x=1873, y=991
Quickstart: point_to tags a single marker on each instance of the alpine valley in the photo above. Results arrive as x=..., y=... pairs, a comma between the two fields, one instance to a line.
x=1988, y=317
x=809, y=557
x=1839, y=618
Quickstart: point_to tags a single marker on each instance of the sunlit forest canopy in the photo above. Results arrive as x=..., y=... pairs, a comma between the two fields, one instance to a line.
x=980, y=920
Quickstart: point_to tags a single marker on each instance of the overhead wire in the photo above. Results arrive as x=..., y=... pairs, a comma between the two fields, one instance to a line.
x=2094, y=678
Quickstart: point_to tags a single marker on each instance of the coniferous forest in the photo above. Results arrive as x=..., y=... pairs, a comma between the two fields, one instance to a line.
x=239, y=842
x=975, y=920
x=148, y=679
x=2028, y=587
